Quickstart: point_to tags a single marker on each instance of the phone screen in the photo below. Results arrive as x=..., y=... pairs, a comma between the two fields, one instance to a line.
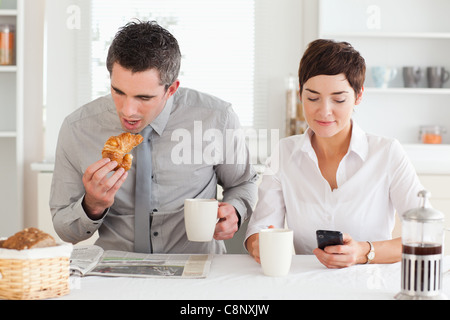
x=327, y=238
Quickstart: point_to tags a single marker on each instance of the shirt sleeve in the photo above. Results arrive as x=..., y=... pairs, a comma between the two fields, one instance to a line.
x=271, y=208
x=236, y=174
x=67, y=192
x=405, y=184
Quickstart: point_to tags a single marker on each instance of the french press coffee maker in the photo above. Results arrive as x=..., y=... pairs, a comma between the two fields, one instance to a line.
x=421, y=265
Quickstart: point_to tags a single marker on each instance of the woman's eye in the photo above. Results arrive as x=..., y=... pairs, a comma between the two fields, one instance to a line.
x=313, y=99
x=339, y=101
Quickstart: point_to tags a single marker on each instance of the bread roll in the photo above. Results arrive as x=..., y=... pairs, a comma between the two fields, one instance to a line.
x=29, y=238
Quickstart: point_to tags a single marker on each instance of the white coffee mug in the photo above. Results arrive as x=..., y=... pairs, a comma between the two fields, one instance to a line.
x=275, y=251
x=200, y=218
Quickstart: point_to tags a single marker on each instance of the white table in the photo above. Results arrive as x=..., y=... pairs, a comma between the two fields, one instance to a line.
x=239, y=277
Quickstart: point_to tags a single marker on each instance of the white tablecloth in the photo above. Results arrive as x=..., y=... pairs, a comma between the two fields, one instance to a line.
x=239, y=277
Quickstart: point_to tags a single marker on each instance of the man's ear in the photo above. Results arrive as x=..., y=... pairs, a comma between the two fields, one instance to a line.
x=173, y=88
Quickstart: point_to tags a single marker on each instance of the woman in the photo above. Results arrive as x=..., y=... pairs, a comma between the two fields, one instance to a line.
x=336, y=176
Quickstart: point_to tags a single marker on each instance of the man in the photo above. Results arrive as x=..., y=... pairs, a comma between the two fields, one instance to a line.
x=87, y=195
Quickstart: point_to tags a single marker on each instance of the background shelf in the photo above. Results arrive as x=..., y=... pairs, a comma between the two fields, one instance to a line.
x=438, y=91
x=8, y=68
x=389, y=35
x=8, y=12
x=8, y=134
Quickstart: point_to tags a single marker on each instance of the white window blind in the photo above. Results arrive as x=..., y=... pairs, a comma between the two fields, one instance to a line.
x=216, y=38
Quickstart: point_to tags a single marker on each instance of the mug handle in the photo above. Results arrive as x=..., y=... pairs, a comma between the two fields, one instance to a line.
x=446, y=76
x=418, y=74
x=393, y=74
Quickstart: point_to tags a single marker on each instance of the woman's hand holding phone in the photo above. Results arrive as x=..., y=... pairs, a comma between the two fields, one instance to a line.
x=349, y=253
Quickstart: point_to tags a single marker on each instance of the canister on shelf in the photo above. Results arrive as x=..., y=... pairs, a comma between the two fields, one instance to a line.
x=6, y=44
x=431, y=134
x=295, y=121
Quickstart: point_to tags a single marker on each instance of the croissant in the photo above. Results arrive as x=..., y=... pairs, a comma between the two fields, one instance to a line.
x=118, y=148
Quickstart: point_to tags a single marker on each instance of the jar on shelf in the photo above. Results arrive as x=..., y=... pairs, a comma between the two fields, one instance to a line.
x=7, y=36
x=431, y=134
x=295, y=120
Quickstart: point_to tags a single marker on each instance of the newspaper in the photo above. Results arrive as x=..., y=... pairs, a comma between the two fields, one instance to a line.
x=84, y=259
x=92, y=260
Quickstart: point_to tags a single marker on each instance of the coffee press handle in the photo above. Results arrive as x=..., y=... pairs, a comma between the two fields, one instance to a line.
x=424, y=195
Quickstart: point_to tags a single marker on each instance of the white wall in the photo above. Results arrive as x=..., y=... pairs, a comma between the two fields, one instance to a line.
x=64, y=24
x=33, y=89
x=279, y=26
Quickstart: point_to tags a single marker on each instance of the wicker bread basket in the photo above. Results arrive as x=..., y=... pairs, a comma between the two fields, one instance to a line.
x=35, y=274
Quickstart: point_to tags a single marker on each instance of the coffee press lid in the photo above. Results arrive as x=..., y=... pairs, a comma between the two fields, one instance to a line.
x=423, y=214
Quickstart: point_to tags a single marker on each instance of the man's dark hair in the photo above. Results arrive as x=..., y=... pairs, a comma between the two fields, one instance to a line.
x=141, y=46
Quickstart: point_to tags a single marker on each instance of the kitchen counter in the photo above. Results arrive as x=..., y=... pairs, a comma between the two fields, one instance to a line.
x=429, y=158
x=43, y=166
x=239, y=277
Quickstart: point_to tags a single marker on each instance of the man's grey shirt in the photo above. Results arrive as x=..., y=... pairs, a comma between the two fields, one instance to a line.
x=191, y=153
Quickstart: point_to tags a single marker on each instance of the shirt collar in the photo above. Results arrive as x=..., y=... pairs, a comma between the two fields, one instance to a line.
x=358, y=142
x=160, y=123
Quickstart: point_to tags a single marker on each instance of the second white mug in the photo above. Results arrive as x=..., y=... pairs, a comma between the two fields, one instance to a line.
x=275, y=251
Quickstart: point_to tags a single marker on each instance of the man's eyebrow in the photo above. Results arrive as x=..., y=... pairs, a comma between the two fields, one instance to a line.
x=116, y=89
x=145, y=96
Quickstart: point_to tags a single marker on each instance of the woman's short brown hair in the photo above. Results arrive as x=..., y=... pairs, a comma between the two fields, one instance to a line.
x=328, y=57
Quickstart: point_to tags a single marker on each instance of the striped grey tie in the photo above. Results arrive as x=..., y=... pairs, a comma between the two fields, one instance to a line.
x=142, y=212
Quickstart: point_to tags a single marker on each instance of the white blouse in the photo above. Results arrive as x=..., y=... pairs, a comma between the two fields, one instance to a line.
x=375, y=178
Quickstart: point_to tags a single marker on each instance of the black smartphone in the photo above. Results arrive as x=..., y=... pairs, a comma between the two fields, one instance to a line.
x=327, y=238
